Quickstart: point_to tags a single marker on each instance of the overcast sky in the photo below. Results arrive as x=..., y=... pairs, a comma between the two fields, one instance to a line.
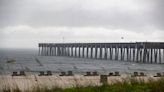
x=25, y=23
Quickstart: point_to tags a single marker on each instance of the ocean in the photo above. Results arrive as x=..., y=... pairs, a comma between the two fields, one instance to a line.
x=29, y=61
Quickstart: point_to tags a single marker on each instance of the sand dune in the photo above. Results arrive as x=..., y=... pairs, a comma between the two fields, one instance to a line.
x=30, y=81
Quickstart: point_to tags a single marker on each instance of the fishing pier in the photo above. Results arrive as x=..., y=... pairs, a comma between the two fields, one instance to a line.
x=141, y=52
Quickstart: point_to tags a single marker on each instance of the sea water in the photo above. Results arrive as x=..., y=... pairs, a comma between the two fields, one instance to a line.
x=29, y=61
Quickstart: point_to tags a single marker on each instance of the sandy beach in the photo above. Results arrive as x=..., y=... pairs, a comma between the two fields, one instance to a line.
x=32, y=81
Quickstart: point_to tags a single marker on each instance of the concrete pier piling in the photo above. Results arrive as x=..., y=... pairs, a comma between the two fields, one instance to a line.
x=142, y=52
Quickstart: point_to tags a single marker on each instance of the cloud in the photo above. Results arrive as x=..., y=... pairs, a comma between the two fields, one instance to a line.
x=128, y=14
x=28, y=37
x=25, y=23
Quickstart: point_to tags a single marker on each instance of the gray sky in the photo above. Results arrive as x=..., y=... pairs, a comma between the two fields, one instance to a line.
x=25, y=23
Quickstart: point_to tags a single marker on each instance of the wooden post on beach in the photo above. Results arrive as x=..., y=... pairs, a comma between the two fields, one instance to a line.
x=104, y=79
